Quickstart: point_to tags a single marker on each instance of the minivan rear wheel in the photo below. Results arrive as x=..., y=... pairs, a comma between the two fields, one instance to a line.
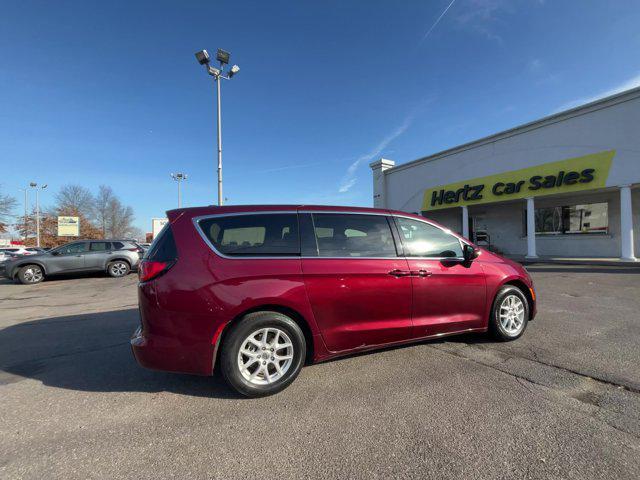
x=262, y=354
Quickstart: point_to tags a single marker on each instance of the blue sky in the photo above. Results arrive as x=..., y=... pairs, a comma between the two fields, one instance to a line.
x=95, y=92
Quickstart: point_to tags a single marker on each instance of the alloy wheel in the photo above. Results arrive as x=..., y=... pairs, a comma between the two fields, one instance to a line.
x=265, y=356
x=33, y=274
x=118, y=269
x=511, y=314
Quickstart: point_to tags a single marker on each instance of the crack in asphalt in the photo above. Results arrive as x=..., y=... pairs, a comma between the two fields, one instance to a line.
x=523, y=381
x=604, y=381
x=508, y=357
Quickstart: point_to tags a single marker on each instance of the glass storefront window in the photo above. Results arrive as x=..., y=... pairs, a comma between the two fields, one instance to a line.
x=572, y=219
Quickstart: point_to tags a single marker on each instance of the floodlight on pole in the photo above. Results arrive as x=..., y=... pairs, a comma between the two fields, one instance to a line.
x=179, y=177
x=235, y=69
x=223, y=58
x=203, y=57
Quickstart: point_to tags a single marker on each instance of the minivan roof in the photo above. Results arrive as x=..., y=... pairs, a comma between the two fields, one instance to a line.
x=213, y=209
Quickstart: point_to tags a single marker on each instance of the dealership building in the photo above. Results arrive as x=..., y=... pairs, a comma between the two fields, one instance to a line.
x=565, y=186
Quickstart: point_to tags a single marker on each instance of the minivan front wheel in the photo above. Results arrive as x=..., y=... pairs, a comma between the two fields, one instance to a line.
x=262, y=354
x=510, y=313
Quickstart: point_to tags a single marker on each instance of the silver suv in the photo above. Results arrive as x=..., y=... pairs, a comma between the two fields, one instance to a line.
x=115, y=257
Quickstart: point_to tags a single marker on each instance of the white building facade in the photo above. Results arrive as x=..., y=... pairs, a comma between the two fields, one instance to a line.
x=567, y=185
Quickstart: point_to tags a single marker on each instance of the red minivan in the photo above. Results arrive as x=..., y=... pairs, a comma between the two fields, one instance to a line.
x=257, y=291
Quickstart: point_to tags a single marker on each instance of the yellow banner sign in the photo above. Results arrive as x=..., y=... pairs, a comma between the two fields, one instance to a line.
x=570, y=175
x=68, y=226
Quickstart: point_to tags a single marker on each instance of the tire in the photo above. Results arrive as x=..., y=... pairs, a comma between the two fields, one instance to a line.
x=509, y=314
x=30, y=274
x=257, y=354
x=118, y=268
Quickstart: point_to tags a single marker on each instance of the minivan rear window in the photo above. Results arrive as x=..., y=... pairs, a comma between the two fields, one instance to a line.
x=163, y=248
x=253, y=235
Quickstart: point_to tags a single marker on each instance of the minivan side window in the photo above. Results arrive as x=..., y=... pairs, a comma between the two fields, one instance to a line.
x=269, y=234
x=353, y=235
x=421, y=239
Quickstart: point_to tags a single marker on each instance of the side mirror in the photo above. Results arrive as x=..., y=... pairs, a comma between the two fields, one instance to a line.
x=469, y=252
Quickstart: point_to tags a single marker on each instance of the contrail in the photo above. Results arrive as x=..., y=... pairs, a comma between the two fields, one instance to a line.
x=437, y=21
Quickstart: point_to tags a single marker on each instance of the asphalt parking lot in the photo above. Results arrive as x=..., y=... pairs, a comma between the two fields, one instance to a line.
x=561, y=402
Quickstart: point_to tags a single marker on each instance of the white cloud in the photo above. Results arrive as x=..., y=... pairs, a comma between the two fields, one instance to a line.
x=482, y=16
x=349, y=179
x=535, y=65
x=632, y=82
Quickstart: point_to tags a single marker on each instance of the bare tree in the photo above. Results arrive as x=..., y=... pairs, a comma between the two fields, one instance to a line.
x=7, y=204
x=119, y=218
x=112, y=217
x=101, y=206
x=75, y=200
x=135, y=233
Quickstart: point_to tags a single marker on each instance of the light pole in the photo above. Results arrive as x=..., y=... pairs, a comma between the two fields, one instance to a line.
x=26, y=203
x=179, y=177
x=38, y=188
x=217, y=73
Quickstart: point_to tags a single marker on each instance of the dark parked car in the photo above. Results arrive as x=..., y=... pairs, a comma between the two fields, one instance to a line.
x=115, y=257
x=259, y=290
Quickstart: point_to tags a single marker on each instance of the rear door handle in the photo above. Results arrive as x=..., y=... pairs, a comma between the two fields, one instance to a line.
x=399, y=273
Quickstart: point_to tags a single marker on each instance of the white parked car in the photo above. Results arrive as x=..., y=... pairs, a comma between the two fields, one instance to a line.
x=34, y=250
x=7, y=254
x=21, y=250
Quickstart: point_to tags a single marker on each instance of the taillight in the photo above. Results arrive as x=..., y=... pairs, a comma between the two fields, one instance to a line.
x=133, y=249
x=149, y=269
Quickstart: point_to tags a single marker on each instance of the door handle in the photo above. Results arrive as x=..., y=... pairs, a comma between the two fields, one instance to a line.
x=399, y=273
x=422, y=273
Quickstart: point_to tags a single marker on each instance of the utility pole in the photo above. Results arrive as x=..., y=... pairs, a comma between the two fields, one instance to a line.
x=38, y=188
x=26, y=205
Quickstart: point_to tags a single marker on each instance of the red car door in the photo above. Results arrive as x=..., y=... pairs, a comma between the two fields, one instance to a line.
x=449, y=295
x=358, y=287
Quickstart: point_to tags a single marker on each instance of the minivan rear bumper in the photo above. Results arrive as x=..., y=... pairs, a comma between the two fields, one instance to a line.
x=168, y=354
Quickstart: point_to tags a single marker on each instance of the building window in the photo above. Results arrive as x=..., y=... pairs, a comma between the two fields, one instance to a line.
x=572, y=219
